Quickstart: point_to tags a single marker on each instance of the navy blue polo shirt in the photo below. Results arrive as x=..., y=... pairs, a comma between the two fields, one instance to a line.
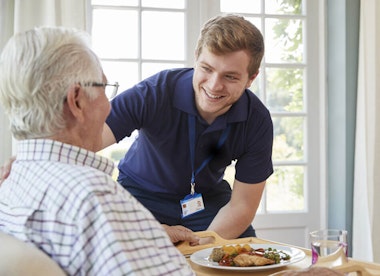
x=159, y=159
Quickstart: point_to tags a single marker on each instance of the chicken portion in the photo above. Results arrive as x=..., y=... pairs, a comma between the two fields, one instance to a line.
x=252, y=260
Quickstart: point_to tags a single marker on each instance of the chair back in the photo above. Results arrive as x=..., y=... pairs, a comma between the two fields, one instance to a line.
x=18, y=258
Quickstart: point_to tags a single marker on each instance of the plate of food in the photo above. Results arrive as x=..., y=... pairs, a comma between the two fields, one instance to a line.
x=247, y=257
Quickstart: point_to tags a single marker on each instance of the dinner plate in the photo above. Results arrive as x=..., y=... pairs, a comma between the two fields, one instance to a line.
x=201, y=258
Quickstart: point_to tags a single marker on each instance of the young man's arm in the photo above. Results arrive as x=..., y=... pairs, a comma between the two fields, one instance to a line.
x=234, y=218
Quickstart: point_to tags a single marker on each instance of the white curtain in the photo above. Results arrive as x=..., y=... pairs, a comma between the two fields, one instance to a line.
x=20, y=15
x=366, y=220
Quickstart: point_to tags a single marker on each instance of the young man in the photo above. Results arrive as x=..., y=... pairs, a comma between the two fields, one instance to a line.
x=192, y=123
x=60, y=195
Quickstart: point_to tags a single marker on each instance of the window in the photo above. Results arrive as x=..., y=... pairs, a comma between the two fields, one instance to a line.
x=136, y=38
x=281, y=86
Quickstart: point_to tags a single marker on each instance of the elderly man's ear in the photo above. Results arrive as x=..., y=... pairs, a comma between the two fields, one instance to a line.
x=75, y=101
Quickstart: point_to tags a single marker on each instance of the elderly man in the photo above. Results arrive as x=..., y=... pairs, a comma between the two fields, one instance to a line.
x=60, y=195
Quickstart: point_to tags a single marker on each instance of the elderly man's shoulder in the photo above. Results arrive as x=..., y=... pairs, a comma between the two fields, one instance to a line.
x=87, y=179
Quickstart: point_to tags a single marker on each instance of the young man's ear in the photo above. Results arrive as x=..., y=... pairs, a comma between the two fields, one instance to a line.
x=251, y=79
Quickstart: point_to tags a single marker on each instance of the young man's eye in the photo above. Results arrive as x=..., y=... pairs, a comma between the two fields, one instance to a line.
x=206, y=69
x=230, y=77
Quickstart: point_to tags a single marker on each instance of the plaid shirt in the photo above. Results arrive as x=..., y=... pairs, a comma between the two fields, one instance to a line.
x=62, y=199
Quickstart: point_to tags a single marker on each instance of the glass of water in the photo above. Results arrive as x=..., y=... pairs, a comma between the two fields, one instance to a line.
x=329, y=247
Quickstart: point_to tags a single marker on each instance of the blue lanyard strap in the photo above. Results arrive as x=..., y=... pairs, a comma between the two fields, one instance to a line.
x=222, y=139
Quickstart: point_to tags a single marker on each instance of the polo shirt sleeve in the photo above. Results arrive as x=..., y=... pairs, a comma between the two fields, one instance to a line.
x=139, y=106
x=126, y=109
x=255, y=165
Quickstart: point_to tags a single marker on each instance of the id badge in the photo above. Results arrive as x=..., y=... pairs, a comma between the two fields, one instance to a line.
x=192, y=204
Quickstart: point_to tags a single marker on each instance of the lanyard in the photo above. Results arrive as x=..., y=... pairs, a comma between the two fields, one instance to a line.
x=222, y=139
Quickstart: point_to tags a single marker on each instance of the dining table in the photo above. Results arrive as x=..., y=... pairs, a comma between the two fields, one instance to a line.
x=347, y=266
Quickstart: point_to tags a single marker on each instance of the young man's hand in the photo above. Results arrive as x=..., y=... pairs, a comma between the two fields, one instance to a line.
x=178, y=233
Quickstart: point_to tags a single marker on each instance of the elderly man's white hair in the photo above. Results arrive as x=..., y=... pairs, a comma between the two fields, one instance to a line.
x=37, y=68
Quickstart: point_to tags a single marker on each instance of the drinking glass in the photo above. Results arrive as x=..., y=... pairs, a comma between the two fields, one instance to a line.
x=329, y=247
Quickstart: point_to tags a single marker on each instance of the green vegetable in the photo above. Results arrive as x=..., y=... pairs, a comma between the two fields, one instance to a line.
x=275, y=255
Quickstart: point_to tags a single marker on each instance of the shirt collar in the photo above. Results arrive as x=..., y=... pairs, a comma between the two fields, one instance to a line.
x=51, y=150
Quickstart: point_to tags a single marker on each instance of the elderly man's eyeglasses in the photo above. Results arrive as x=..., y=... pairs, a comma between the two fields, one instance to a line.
x=110, y=88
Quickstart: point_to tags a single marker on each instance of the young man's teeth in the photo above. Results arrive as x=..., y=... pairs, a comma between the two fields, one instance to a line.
x=212, y=96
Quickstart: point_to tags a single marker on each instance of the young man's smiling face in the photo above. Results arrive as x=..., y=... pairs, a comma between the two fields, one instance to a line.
x=219, y=81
